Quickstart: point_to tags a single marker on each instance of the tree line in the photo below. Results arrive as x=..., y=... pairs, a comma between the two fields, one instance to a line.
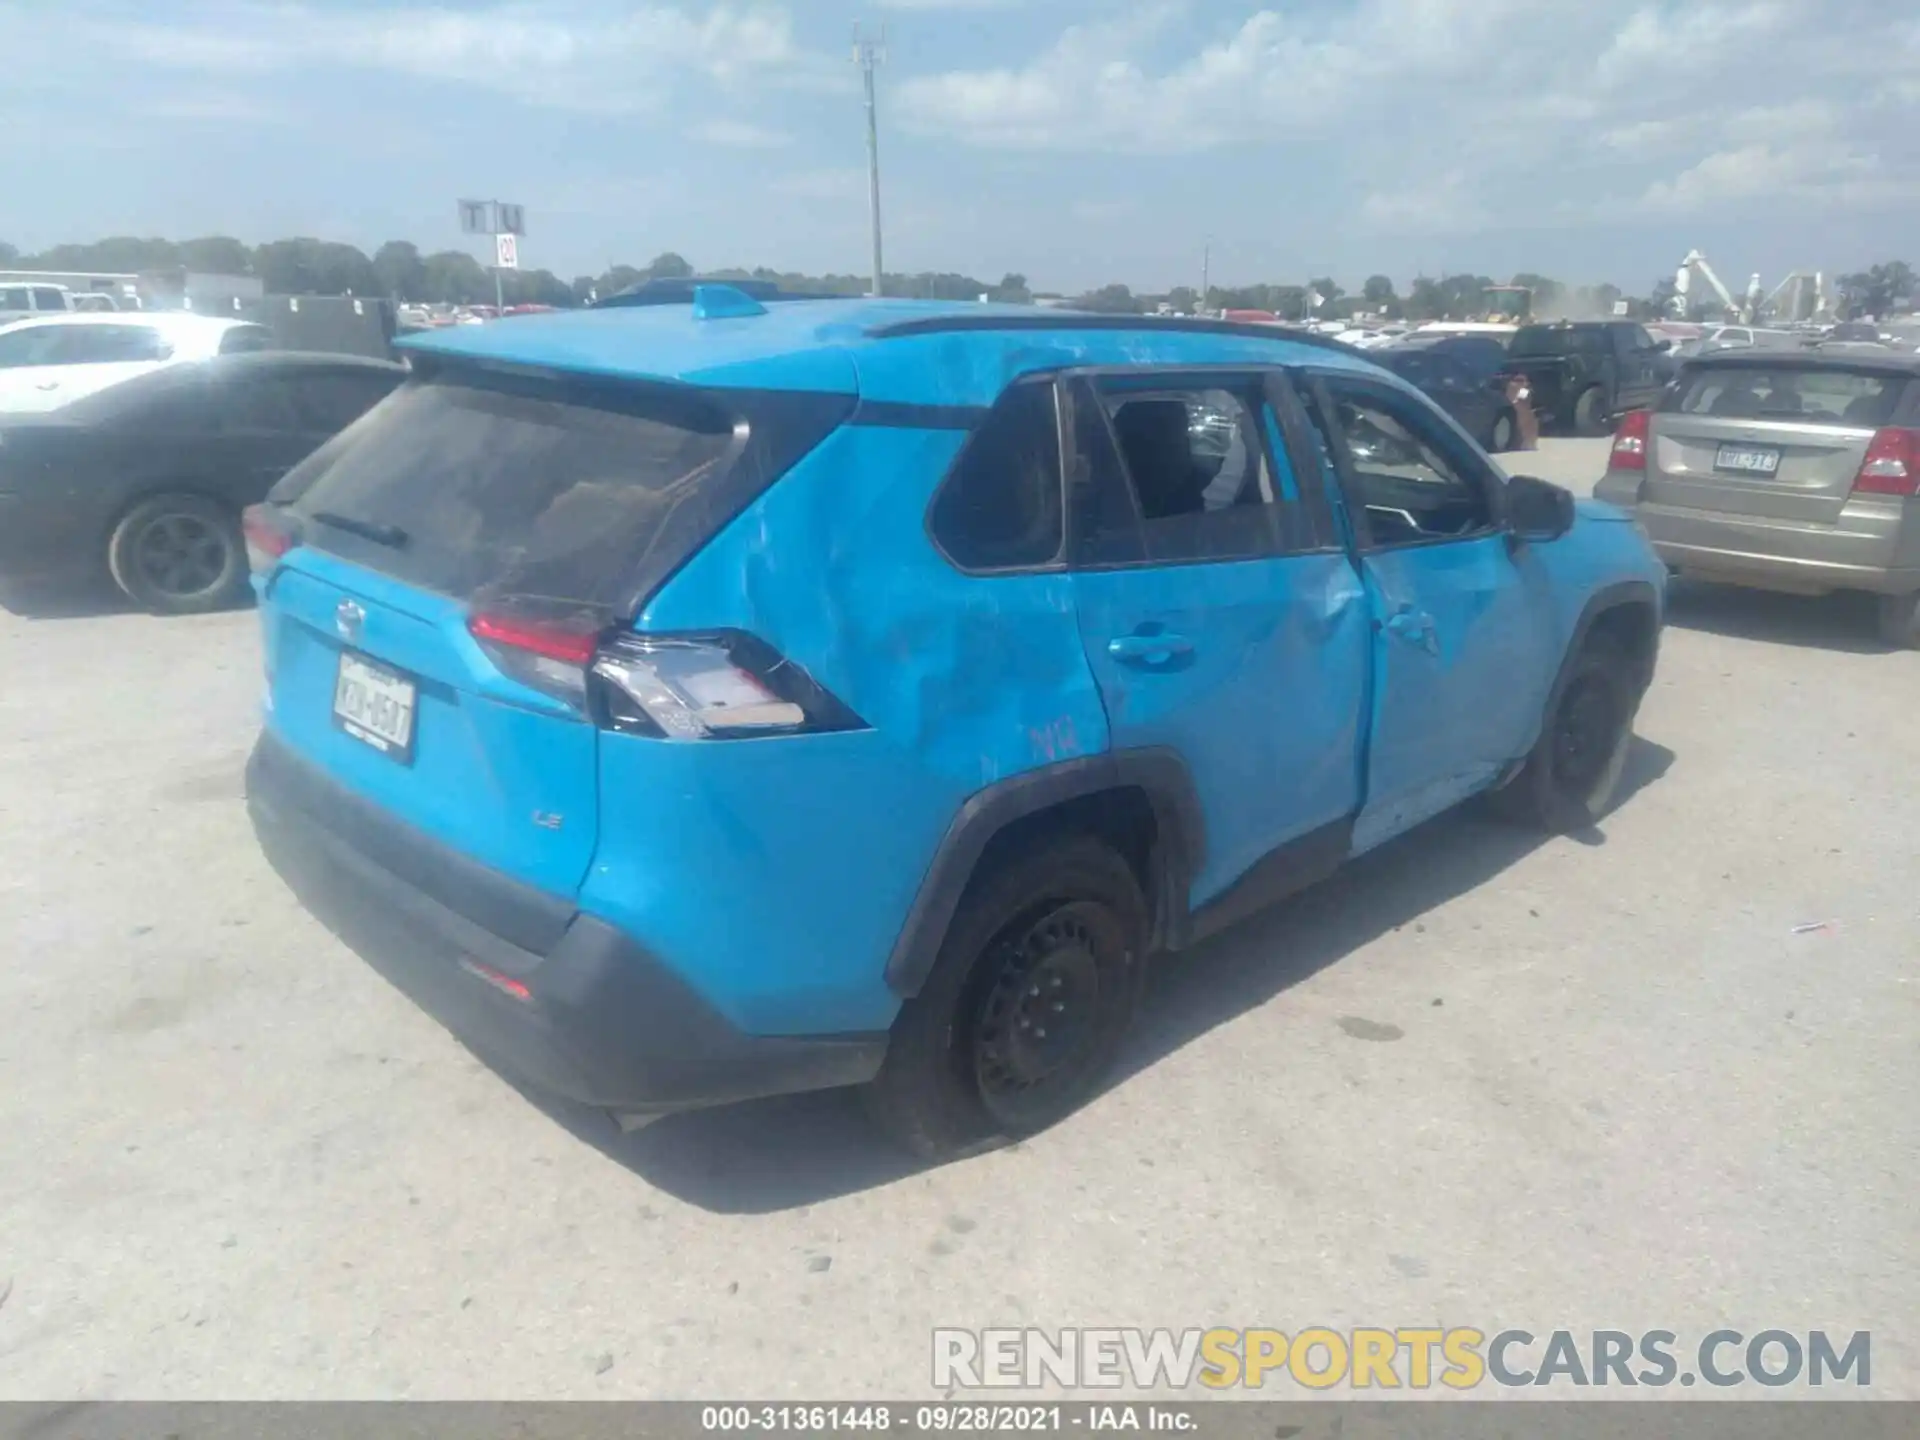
x=398, y=270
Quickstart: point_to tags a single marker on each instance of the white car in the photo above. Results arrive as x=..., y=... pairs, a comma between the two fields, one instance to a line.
x=47, y=363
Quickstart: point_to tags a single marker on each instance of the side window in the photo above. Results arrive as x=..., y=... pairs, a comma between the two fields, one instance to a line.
x=257, y=403
x=108, y=344
x=1196, y=474
x=332, y=400
x=47, y=298
x=14, y=297
x=1409, y=477
x=1001, y=507
x=29, y=345
x=246, y=340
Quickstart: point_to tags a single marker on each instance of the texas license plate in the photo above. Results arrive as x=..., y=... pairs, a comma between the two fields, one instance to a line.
x=1747, y=459
x=375, y=706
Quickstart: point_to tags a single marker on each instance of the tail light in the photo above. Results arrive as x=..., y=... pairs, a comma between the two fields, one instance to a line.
x=1630, y=441
x=1892, y=463
x=716, y=686
x=270, y=535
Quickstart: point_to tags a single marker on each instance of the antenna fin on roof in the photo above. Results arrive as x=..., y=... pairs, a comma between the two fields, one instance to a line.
x=723, y=302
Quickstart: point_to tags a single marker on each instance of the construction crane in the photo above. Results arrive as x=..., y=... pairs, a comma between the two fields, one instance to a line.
x=1741, y=310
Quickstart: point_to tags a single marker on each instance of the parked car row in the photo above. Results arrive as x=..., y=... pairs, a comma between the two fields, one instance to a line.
x=1000, y=626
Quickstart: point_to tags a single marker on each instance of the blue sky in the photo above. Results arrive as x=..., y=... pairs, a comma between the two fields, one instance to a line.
x=1076, y=141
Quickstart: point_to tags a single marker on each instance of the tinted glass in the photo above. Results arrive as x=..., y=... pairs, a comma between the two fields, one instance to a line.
x=108, y=344
x=1557, y=340
x=246, y=340
x=14, y=297
x=1201, y=473
x=1819, y=394
x=490, y=490
x=331, y=400
x=45, y=298
x=1001, y=509
x=32, y=345
x=257, y=403
x=1409, y=477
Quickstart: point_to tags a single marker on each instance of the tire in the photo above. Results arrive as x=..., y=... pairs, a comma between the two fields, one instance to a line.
x=970, y=1062
x=1500, y=438
x=179, y=555
x=1569, y=779
x=1590, y=412
x=1900, y=621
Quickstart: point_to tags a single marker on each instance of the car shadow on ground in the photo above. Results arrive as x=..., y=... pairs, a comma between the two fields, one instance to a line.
x=63, y=600
x=1844, y=621
x=771, y=1155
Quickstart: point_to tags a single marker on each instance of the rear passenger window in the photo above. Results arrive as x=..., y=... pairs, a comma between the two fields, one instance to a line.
x=1001, y=507
x=47, y=298
x=1198, y=473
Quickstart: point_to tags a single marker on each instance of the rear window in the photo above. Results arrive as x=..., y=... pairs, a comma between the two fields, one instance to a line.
x=1556, y=340
x=1820, y=394
x=475, y=489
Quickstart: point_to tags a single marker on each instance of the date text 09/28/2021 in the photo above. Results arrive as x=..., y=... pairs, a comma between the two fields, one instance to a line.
x=945, y=1418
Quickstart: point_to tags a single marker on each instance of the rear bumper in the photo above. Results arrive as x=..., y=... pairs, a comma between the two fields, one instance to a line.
x=1864, y=551
x=602, y=1021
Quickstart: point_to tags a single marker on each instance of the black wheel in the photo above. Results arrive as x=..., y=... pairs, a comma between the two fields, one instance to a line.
x=178, y=555
x=1501, y=436
x=1590, y=412
x=1900, y=620
x=1035, y=986
x=1568, y=780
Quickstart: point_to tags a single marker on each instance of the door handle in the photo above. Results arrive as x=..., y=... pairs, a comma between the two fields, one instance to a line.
x=1151, y=648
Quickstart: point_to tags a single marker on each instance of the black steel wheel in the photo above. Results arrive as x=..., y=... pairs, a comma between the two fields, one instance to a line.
x=1570, y=777
x=1028, y=1002
x=178, y=554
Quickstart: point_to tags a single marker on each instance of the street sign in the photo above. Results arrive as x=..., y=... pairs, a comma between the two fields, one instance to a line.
x=476, y=217
x=507, y=251
x=510, y=219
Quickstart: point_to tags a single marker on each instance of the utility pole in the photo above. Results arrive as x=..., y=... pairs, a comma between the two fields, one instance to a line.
x=869, y=55
x=1206, y=267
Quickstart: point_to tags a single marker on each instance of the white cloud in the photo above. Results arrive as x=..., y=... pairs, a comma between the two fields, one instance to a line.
x=1793, y=173
x=820, y=184
x=1446, y=110
x=740, y=135
x=589, y=55
x=1446, y=204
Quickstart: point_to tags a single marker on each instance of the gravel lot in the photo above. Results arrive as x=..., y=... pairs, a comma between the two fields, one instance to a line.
x=1620, y=1090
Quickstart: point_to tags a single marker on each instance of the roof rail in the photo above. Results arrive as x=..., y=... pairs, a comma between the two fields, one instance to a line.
x=664, y=291
x=1089, y=320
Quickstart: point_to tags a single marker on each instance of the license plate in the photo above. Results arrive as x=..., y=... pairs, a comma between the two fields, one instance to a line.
x=1747, y=459
x=375, y=706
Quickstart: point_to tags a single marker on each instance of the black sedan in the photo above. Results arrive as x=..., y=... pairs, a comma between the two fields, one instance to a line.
x=1467, y=381
x=145, y=481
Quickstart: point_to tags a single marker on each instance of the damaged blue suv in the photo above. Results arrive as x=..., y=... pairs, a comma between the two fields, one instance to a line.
x=700, y=701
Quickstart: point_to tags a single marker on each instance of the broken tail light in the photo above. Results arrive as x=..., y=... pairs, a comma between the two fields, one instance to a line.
x=711, y=686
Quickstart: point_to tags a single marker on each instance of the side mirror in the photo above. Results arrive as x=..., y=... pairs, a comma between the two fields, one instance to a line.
x=1538, y=510
x=1663, y=345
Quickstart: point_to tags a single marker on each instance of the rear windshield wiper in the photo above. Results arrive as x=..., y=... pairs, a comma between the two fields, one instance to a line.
x=389, y=535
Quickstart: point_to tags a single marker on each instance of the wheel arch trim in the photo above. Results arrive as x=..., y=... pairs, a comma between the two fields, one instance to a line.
x=1178, y=853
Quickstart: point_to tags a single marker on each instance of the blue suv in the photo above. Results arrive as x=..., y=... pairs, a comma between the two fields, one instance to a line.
x=695, y=702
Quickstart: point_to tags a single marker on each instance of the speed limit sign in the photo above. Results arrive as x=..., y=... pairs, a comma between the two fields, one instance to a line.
x=507, y=251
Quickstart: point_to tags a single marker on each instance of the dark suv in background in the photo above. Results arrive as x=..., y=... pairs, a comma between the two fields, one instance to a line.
x=1581, y=374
